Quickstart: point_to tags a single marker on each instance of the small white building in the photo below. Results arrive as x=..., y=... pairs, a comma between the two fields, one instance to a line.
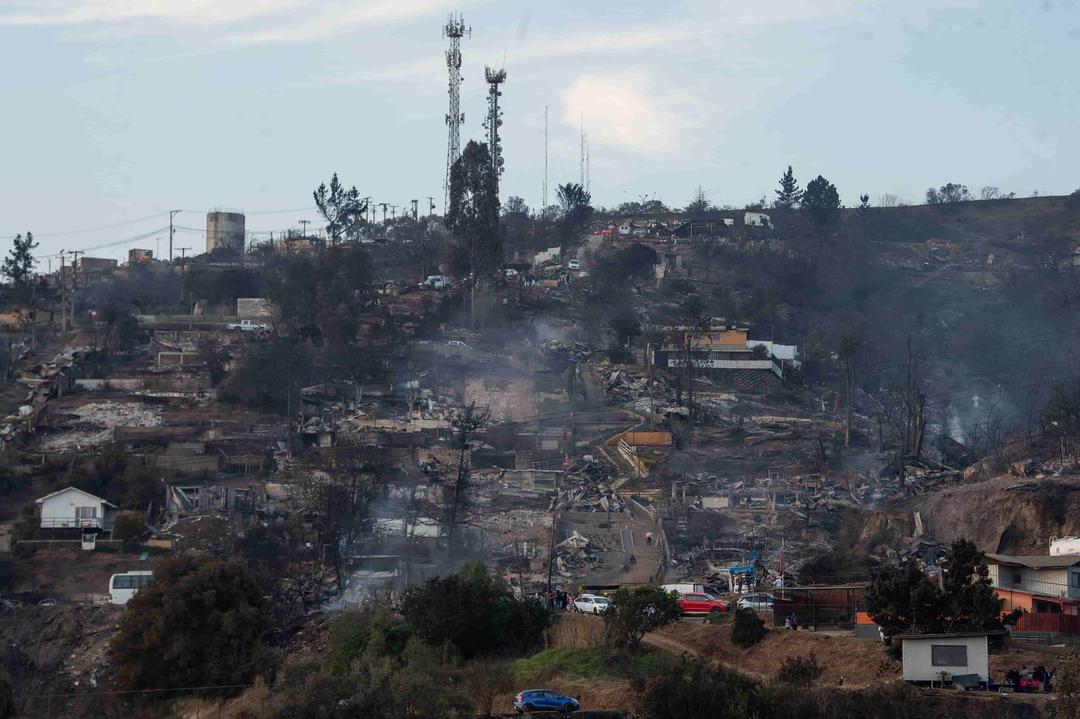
x=73, y=508
x=756, y=219
x=934, y=657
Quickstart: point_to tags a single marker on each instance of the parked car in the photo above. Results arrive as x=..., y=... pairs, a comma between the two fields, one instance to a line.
x=47, y=602
x=248, y=326
x=457, y=343
x=573, y=264
x=6, y=603
x=545, y=700
x=591, y=604
x=757, y=602
x=701, y=603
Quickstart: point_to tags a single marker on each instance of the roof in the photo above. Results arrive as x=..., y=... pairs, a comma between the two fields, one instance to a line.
x=1036, y=561
x=73, y=489
x=947, y=635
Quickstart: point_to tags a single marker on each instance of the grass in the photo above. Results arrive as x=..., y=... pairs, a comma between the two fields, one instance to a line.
x=589, y=663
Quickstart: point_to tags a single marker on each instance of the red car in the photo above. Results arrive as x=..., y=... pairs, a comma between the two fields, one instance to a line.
x=701, y=603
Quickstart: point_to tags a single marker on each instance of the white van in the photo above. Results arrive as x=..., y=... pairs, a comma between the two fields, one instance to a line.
x=122, y=587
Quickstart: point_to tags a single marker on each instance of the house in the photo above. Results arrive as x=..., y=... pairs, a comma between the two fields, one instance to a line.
x=756, y=219
x=939, y=657
x=73, y=508
x=1037, y=584
x=724, y=354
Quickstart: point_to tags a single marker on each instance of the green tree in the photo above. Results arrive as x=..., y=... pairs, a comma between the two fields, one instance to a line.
x=515, y=206
x=948, y=193
x=973, y=605
x=574, y=202
x=697, y=688
x=903, y=599
x=493, y=622
x=473, y=215
x=788, y=195
x=820, y=204
x=700, y=204
x=19, y=264
x=201, y=622
x=633, y=613
x=343, y=209
x=748, y=629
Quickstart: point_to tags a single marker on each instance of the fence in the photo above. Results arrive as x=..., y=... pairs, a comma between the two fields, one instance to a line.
x=1046, y=622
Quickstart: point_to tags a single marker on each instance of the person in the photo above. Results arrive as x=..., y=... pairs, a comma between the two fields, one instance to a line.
x=794, y=622
x=787, y=623
x=648, y=538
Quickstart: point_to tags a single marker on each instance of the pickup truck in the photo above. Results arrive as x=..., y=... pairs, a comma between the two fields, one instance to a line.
x=248, y=326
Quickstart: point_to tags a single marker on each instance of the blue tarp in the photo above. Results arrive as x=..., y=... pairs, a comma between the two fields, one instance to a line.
x=741, y=569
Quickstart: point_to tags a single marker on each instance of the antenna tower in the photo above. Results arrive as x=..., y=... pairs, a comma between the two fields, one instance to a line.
x=582, y=161
x=544, y=203
x=494, y=120
x=454, y=29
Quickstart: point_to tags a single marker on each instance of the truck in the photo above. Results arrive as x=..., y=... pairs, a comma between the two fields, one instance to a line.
x=436, y=282
x=248, y=326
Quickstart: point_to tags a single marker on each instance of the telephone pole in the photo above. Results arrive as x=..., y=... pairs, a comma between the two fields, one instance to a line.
x=74, y=282
x=431, y=205
x=183, y=269
x=172, y=214
x=544, y=202
x=305, y=223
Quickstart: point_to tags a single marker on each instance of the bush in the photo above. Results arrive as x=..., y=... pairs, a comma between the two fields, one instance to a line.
x=485, y=681
x=1073, y=200
x=475, y=613
x=699, y=689
x=633, y=613
x=201, y=622
x=128, y=526
x=799, y=671
x=7, y=695
x=748, y=628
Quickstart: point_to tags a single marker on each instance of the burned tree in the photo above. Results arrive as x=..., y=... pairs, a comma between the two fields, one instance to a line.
x=342, y=208
x=466, y=423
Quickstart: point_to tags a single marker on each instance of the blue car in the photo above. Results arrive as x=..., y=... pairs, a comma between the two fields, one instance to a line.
x=545, y=700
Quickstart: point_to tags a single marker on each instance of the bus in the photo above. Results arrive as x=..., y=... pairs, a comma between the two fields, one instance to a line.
x=124, y=586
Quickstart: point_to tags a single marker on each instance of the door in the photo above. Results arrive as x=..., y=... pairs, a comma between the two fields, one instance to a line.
x=695, y=603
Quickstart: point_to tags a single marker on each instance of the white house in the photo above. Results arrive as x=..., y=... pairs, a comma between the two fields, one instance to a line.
x=928, y=656
x=73, y=508
x=757, y=219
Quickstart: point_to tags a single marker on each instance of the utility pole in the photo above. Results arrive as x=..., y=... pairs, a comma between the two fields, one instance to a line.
x=74, y=282
x=172, y=214
x=415, y=209
x=582, y=159
x=63, y=293
x=431, y=206
x=305, y=223
x=544, y=201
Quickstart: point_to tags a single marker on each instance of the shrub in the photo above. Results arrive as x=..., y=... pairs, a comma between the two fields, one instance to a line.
x=128, y=526
x=799, y=671
x=633, y=613
x=7, y=695
x=699, y=689
x=485, y=681
x=748, y=628
x=476, y=613
x=200, y=622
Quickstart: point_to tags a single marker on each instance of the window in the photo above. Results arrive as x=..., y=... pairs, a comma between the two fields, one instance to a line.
x=948, y=655
x=1018, y=578
x=85, y=512
x=1074, y=580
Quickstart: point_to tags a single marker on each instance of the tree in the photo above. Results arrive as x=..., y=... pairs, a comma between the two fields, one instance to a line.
x=748, y=629
x=947, y=194
x=575, y=202
x=201, y=622
x=864, y=203
x=973, y=605
x=343, y=209
x=633, y=613
x=789, y=195
x=473, y=215
x=889, y=200
x=475, y=613
x=1072, y=202
x=847, y=341
x=19, y=264
x=699, y=688
x=486, y=680
x=820, y=205
x=465, y=423
x=903, y=599
x=515, y=206
x=700, y=204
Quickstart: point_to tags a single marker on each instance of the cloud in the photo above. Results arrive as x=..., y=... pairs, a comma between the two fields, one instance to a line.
x=338, y=17
x=74, y=12
x=624, y=109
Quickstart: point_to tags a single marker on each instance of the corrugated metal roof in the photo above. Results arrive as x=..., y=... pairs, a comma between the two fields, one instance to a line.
x=1036, y=561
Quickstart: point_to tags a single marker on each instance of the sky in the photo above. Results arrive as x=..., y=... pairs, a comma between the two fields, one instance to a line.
x=116, y=111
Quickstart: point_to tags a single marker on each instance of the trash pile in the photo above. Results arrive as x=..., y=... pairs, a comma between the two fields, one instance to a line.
x=625, y=384
x=92, y=424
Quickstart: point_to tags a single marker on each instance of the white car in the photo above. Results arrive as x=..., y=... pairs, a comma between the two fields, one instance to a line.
x=757, y=602
x=591, y=604
x=574, y=265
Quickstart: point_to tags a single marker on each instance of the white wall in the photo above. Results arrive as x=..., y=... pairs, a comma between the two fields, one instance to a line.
x=1048, y=582
x=918, y=666
x=59, y=512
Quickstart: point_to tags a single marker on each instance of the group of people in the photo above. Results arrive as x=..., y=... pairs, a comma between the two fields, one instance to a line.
x=556, y=599
x=1036, y=679
x=791, y=622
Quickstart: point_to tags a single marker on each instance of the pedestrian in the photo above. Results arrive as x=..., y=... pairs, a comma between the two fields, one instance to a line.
x=787, y=623
x=794, y=622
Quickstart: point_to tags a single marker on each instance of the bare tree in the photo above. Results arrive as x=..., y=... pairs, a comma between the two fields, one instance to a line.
x=466, y=423
x=889, y=200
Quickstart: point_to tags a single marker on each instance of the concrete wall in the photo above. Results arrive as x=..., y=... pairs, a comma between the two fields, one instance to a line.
x=918, y=666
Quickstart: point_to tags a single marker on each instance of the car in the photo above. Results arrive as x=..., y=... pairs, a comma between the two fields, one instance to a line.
x=701, y=603
x=248, y=326
x=757, y=602
x=47, y=602
x=542, y=700
x=591, y=604
x=457, y=343
x=574, y=265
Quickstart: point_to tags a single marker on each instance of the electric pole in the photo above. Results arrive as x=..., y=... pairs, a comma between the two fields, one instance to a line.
x=183, y=270
x=431, y=205
x=305, y=223
x=172, y=214
x=74, y=282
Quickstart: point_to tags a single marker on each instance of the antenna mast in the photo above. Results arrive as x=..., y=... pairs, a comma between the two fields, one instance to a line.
x=454, y=30
x=544, y=204
x=494, y=121
x=582, y=161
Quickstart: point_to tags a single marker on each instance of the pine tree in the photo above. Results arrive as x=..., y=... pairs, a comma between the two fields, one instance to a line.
x=821, y=205
x=19, y=264
x=789, y=195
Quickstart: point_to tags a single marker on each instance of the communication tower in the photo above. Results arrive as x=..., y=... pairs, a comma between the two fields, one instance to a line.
x=454, y=29
x=494, y=78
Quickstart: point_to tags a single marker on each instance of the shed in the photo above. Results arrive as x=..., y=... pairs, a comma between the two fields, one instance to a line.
x=927, y=657
x=72, y=508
